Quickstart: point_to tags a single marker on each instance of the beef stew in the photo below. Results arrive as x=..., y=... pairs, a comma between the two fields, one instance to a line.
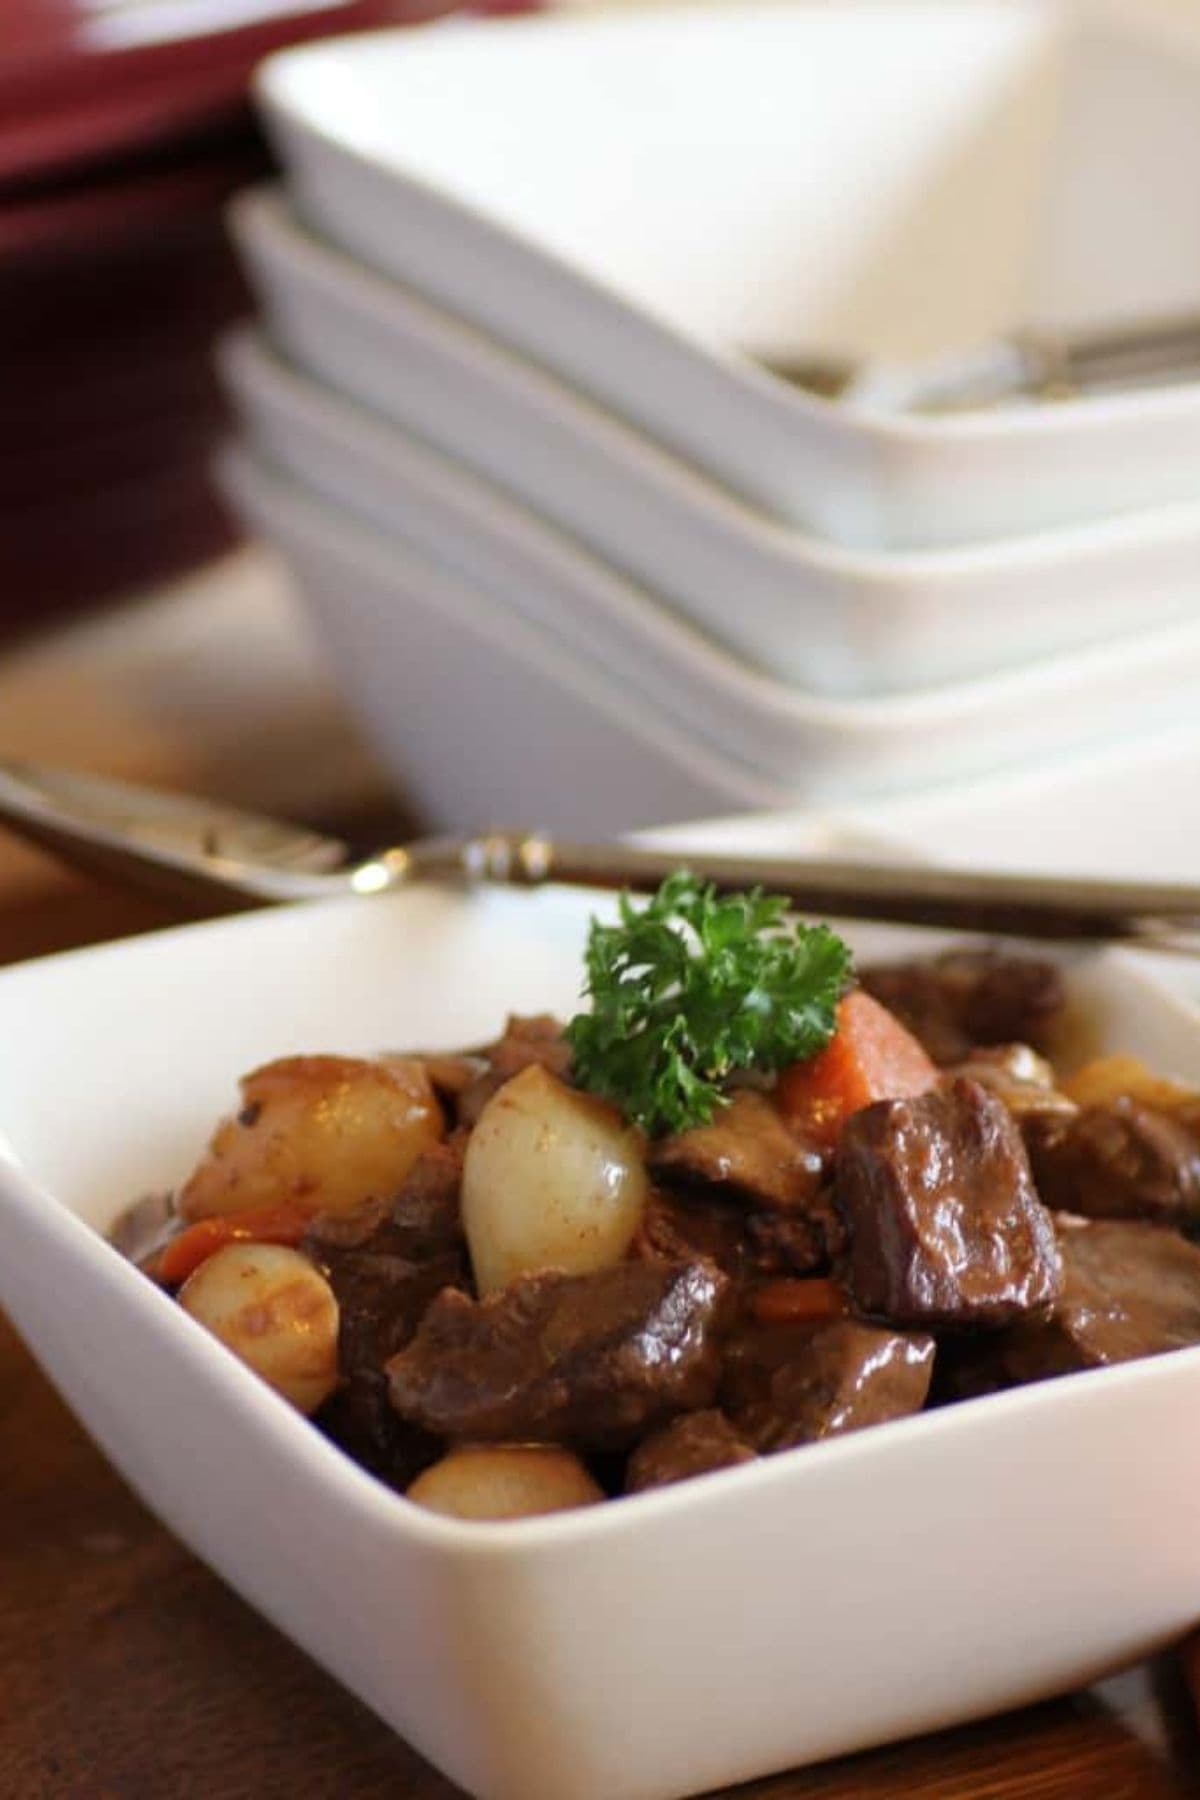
x=749, y=1290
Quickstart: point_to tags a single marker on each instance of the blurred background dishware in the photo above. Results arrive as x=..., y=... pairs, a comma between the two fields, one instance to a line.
x=787, y=601
x=601, y=464
x=846, y=181
x=553, y=456
x=446, y=710
x=509, y=360
x=124, y=129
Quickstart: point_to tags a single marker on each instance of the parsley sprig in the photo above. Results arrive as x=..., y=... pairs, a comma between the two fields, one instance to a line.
x=692, y=986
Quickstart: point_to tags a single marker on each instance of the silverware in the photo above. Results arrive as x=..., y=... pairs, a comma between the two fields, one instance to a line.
x=227, y=858
x=1029, y=364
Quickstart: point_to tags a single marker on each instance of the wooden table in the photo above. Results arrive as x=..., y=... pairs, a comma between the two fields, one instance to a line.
x=129, y=1672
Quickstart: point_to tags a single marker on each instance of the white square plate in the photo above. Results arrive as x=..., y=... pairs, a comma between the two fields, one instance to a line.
x=889, y=1583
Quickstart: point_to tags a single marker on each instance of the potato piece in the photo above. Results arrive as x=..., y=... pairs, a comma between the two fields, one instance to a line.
x=275, y=1311
x=1109, y=1078
x=323, y=1132
x=505, y=1481
x=553, y=1179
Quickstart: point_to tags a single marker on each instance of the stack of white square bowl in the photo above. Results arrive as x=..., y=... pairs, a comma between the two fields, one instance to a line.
x=579, y=556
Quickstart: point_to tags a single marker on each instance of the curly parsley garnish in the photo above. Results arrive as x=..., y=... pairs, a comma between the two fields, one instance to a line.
x=690, y=987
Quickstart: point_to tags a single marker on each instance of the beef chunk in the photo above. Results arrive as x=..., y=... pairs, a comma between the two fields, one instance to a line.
x=944, y=1223
x=744, y=1190
x=425, y=1218
x=381, y=1301
x=385, y=1262
x=786, y=1385
x=538, y=1039
x=451, y=1074
x=693, y=1444
x=1117, y=1161
x=681, y=1226
x=970, y=997
x=1130, y=1289
x=969, y=1365
x=421, y=1220
x=745, y=1149
x=793, y=1243
x=589, y=1360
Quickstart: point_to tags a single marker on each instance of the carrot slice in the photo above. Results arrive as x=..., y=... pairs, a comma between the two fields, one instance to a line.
x=791, y=1301
x=263, y=1225
x=871, y=1056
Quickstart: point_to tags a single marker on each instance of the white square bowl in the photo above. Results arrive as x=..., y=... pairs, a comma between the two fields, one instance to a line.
x=648, y=203
x=357, y=494
x=893, y=1582
x=479, y=716
x=834, y=621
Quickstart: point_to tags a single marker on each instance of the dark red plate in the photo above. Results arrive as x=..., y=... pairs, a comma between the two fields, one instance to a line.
x=99, y=215
x=71, y=95
x=82, y=549
x=50, y=463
